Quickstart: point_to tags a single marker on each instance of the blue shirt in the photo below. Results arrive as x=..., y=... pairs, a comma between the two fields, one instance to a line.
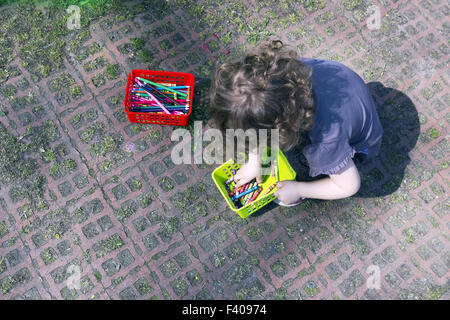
x=346, y=119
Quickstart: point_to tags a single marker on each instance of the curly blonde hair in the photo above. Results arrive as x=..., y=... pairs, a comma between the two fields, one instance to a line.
x=270, y=89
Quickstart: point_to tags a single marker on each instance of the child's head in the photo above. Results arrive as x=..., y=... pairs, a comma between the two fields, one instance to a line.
x=267, y=90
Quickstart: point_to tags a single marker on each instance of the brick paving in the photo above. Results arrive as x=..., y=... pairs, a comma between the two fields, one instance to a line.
x=82, y=187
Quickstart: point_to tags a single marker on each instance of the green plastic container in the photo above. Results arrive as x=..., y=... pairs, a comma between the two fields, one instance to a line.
x=225, y=172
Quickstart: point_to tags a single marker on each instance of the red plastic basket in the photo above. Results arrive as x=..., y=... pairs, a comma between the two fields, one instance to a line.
x=178, y=78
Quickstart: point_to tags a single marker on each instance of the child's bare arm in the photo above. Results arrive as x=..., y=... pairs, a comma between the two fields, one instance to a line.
x=336, y=186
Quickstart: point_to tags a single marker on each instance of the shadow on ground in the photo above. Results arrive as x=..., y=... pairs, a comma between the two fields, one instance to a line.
x=401, y=126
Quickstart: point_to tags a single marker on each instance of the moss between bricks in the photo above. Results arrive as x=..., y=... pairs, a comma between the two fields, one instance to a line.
x=107, y=145
x=127, y=209
x=3, y=229
x=108, y=245
x=113, y=71
x=139, y=46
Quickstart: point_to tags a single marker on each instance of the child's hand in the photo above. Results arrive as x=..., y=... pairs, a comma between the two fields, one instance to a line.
x=248, y=172
x=288, y=192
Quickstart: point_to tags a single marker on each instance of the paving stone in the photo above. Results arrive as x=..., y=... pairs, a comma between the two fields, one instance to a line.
x=65, y=188
x=134, y=184
x=404, y=271
x=168, y=228
x=3, y=266
x=377, y=237
x=80, y=180
x=93, y=206
x=291, y=260
x=110, y=244
x=439, y=269
x=389, y=254
x=218, y=259
x=348, y=286
x=125, y=258
x=111, y=267
x=64, y=248
x=180, y=177
x=271, y=248
x=168, y=162
x=278, y=268
x=143, y=287
x=68, y=294
x=232, y=251
x=86, y=285
x=120, y=191
x=194, y=277
x=150, y=241
x=436, y=245
x=392, y=280
x=424, y=252
x=333, y=271
x=157, y=168
x=446, y=259
x=311, y=288
x=140, y=224
x=14, y=258
x=105, y=223
x=344, y=261
x=203, y=294
x=128, y=294
x=169, y=268
x=372, y=294
x=90, y=230
x=166, y=184
x=154, y=217
x=144, y=200
x=32, y=294
x=254, y=233
x=179, y=286
x=182, y=259
x=238, y=272
x=49, y=255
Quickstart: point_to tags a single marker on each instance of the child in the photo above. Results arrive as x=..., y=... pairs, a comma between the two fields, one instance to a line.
x=273, y=89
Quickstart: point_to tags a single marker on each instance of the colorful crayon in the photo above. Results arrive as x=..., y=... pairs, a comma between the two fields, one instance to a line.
x=270, y=189
x=237, y=196
x=255, y=195
x=153, y=97
x=251, y=185
x=161, y=86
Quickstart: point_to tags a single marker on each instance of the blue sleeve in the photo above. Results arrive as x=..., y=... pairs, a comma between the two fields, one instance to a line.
x=328, y=157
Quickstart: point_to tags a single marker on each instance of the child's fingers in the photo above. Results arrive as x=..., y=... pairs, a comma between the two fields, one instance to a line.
x=237, y=178
x=259, y=179
x=280, y=184
x=276, y=194
x=240, y=182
